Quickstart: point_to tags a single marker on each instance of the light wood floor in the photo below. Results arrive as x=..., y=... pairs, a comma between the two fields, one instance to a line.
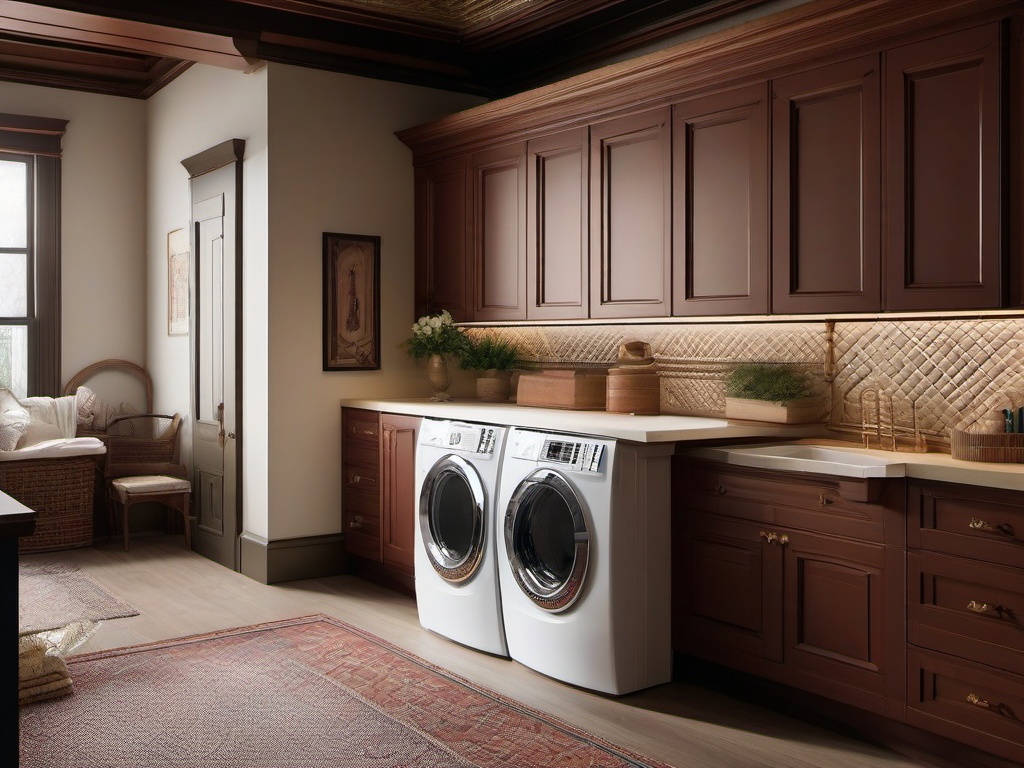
x=180, y=593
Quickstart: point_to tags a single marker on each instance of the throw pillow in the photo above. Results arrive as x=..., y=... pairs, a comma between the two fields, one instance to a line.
x=14, y=420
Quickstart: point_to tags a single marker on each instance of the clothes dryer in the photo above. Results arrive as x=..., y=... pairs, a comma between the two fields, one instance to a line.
x=457, y=470
x=585, y=565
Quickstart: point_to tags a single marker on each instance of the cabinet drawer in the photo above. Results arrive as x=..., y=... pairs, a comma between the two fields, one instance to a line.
x=360, y=519
x=360, y=425
x=366, y=456
x=361, y=477
x=814, y=504
x=966, y=608
x=981, y=523
x=971, y=702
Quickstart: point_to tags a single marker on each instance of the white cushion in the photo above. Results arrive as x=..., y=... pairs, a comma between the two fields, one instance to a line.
x=149, y=484
x=14, y=420
x=53, y=449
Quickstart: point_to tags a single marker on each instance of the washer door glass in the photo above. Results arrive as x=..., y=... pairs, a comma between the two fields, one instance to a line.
x=547, y=540
x=452, y=524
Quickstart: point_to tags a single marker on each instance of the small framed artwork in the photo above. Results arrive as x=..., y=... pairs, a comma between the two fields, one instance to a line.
x=351, y=302
x=177, y=282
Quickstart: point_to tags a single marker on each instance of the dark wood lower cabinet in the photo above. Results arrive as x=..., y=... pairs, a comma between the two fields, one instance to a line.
x=815, y=609
x=378, y=494
x=903, y=599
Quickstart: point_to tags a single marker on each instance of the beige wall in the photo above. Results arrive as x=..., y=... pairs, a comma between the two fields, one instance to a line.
x=103, y=221
x=336, y=166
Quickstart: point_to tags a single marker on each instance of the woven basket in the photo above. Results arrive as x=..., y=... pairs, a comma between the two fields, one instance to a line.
x=1000, y=447
x=60, y=490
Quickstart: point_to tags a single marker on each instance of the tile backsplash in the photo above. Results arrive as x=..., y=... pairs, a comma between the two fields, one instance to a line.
x=929, y=375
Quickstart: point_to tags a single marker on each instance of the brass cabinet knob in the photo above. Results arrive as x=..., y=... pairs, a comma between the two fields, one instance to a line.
x=357, y=522
x=825, y=500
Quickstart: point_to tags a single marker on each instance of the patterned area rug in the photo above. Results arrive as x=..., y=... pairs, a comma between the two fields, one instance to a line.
x=305, y=692
x=53, y=594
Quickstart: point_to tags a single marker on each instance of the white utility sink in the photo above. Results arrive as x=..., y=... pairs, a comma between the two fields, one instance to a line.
x=844, y=462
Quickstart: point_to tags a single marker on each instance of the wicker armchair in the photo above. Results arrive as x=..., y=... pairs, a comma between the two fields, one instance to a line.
x=141, y=466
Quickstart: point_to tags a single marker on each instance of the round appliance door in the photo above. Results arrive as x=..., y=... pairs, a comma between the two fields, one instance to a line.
x=452, y=505
x=547, y=540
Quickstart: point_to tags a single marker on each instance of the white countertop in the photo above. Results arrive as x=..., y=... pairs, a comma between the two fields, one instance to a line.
x=621, y=426
x=669, y=429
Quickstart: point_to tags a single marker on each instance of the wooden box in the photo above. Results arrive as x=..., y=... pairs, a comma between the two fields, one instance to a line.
x=802, y=411
x=581, y=390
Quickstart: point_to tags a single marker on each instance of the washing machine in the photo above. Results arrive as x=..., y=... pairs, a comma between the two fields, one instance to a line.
x=585, y=565
x=457, y=470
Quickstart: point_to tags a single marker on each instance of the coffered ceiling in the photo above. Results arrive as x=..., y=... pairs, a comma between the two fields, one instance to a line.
x=488, y=47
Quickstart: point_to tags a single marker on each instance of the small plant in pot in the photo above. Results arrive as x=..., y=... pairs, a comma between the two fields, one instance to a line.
x=769, y=392
x=494, y=358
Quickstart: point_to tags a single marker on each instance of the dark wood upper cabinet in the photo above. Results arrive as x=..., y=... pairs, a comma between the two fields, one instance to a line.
x=826, y=239
x=720, y=203
x=943, y=244
x=499, y=233
x=557, y=256
x=630, y=215
x=444, y=273
x=1016, y=267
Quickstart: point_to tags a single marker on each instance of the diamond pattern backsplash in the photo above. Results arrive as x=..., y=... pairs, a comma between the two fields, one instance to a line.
x=925, y=375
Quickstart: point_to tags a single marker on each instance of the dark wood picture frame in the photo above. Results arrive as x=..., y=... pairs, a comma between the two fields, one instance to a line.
x=351, y=305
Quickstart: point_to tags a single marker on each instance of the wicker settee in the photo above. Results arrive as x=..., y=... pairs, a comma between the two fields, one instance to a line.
x=57, y=480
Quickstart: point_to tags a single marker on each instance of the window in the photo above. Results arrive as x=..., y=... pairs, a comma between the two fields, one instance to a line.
x=30, y=254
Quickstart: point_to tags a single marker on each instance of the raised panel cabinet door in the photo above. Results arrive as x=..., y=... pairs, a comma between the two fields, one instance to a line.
x=943, y=247
x=499, y=233
x=720, y=203
x=844, y=613
x=631, y=216
x=557, y=256
x=826, y=236
x=444, y=274
x=398, y=490
x=730, y=592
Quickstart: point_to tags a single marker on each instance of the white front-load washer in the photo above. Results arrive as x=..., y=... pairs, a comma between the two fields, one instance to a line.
x=457, y=470
x=585, y=559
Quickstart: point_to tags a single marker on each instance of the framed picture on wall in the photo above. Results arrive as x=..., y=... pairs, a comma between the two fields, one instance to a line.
x=351, y=302
x=177, y=282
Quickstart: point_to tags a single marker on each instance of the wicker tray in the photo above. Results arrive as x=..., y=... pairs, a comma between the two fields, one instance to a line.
x=60, y=490
x=999, y=447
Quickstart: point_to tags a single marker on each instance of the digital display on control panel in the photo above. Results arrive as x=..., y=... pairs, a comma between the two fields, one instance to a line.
x=560, y=451
x=581, y=457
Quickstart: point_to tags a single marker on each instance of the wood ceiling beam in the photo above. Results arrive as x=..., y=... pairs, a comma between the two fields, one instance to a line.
x=139, y=37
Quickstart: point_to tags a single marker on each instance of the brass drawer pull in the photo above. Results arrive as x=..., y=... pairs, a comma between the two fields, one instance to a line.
x=976, y=606
x=825, y=500
x=1002, y=529
x=357, y=522
x=1001, y=709
x=721, y=489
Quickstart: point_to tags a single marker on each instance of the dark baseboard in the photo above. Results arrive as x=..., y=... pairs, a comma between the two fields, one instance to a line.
x=307, y=557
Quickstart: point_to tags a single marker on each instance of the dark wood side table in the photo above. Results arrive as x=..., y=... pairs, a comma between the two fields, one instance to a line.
x=15, y=520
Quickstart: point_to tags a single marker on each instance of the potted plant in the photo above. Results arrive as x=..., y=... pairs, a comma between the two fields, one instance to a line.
x=436, y=337
x=769, y=392
x=494, y=358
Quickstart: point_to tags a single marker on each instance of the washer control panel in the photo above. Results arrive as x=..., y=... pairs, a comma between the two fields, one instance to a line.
x=574, y=454
x=478, y=439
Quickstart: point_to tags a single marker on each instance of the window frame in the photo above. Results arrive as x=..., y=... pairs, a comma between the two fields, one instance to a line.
x=41, y=138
